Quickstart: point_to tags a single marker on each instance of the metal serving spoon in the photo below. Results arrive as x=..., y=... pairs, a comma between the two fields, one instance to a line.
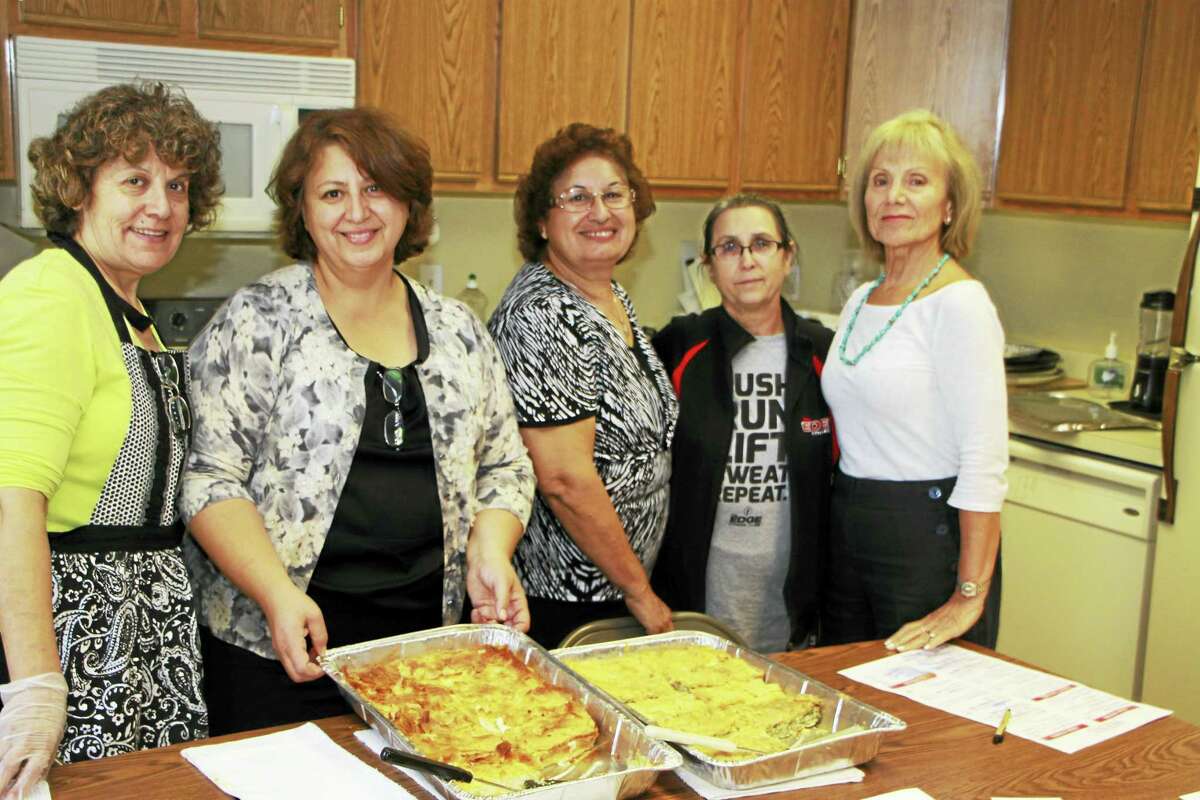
x=442, y=770
x=683, y=737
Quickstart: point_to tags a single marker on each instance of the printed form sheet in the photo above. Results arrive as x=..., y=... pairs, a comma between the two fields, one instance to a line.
x=1056, y=712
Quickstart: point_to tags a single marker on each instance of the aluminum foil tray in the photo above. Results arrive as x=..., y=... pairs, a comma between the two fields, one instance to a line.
x=839, y=712
x=629, y=762
x=1062, y=413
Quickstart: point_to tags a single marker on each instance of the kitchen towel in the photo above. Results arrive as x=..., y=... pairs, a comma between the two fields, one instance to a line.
x=711, y=792
x=298, y=763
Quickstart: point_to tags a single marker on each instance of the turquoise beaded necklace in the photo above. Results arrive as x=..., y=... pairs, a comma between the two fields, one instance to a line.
x=850, y=362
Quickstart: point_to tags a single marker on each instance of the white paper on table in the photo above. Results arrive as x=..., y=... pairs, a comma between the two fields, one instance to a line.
x=40, y=791
x=1056, y=712
x=901, y=794
x=711, y=792
x=298, y=763
x=1190, y=796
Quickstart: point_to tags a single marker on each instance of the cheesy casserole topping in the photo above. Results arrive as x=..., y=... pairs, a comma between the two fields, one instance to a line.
x=481, y=708
x=706, y=691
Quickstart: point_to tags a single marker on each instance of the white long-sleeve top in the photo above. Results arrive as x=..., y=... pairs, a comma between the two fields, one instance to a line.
x=929, y=400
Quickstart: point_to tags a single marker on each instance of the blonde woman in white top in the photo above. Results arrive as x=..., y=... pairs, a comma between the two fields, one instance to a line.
x=915, y=381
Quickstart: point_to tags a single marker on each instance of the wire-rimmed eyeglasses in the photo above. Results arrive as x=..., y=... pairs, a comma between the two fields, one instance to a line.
x=576, y=200
x=175, y=405
x=392, y=383
x=761, y=248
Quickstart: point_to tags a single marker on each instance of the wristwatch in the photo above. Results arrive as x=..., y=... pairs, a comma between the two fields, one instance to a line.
x=970, y=589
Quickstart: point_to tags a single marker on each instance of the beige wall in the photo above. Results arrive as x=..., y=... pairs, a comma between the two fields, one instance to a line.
x=1058, y=281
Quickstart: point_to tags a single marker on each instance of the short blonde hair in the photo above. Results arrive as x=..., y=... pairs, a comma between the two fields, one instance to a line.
x=922, y=131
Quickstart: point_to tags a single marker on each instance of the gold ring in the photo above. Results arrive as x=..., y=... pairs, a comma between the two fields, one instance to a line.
x=929, y=634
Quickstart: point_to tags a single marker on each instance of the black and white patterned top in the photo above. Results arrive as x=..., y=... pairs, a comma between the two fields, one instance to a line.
x=566, y=362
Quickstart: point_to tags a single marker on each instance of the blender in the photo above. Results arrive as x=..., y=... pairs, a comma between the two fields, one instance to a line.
x=1153, y=351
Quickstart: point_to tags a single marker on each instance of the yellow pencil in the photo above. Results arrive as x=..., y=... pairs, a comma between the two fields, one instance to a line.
x=998, y=736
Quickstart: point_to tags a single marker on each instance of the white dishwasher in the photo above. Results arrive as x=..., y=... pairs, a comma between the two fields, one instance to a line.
x=1078, y=552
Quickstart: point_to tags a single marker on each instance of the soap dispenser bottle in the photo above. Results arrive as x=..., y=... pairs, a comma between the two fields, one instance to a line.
x=474, y=297
x=1106, y=376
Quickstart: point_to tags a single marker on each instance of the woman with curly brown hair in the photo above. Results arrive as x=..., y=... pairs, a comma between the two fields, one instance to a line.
x=356, y=467
x=96, y=612
x=595, y=406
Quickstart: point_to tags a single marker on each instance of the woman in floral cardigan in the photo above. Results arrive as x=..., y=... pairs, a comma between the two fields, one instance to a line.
x=356, y=463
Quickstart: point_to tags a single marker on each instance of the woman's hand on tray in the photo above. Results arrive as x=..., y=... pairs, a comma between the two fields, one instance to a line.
x=649, y=609
x=492, y=584
x=297, y=632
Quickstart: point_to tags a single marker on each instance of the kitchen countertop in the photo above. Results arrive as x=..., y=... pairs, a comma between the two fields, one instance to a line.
x=1138, y=445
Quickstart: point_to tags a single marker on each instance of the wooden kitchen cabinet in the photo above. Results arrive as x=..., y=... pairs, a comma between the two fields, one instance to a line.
x=683, y=90
x=141, y=16
x=1167, y=137
x=302, y=27
x=314, y=23
x=794, y=94
x=1069, y=106
x=554, y=70
x=944, y=55
x=432, y=64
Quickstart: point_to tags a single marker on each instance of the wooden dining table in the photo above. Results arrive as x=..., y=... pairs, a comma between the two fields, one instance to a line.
x=949, y=757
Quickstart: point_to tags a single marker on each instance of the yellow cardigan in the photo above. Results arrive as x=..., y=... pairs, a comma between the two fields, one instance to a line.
x=64, y=390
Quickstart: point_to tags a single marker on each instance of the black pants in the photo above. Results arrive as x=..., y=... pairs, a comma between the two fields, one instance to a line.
x=551, y=620
x=893, y=558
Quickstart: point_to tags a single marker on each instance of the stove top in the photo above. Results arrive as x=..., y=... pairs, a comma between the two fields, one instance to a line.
x=179, y=319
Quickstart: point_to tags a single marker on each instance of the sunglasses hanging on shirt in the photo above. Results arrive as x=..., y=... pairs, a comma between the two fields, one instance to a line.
x=392, y=383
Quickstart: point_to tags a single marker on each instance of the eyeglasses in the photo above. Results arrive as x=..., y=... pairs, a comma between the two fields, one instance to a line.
x=392, y=382
x=179, y=415
x=577, y=200
x=731, y=250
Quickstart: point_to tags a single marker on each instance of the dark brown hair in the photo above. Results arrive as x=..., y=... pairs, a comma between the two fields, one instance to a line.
x=533, y=199
x=396, y=160
x=127, y=121
x=747, y=200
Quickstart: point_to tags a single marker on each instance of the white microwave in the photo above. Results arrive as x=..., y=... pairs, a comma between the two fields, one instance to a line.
x=256, y=100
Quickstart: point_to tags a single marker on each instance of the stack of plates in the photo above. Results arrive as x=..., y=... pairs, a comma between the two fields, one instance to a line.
x=1027, y=365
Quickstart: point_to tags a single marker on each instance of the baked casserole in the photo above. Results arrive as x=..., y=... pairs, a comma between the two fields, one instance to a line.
x=481, y=708
x=706, y=691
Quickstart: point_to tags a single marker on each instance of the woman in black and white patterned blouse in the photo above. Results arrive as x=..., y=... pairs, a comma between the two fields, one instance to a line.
x=595, y=406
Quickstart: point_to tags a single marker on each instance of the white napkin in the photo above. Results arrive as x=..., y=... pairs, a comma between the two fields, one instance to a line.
x=710, y=792
x=298, y=763
x=40, y=791
x=901, y=794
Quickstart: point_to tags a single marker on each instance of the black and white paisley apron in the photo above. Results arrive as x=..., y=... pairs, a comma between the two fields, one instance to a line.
x=122, y=599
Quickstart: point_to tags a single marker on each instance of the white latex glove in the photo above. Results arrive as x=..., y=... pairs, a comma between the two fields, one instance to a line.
x=31, y=723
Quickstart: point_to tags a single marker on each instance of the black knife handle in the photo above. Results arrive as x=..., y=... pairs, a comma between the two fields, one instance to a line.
x=413, y=761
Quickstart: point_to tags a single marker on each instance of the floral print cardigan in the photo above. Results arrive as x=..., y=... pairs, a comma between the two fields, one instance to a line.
x=278, y=406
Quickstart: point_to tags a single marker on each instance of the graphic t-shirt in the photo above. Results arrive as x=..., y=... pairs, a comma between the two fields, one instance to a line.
x=751, y=543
